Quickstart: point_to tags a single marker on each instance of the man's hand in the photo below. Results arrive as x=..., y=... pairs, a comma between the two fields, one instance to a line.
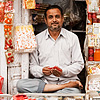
x=57, y=71
x=47, y=71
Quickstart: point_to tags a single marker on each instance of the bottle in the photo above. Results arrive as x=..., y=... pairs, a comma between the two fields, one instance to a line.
x=91, y=53
x=89, y=20
x=97, y=54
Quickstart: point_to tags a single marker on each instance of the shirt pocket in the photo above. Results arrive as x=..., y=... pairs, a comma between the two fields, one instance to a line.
x=65, y=54
x=45, y=53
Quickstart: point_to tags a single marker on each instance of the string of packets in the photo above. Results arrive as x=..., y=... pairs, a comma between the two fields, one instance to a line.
x=7, y=18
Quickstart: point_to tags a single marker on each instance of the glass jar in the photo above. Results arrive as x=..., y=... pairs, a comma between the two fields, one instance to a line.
x=97, y=54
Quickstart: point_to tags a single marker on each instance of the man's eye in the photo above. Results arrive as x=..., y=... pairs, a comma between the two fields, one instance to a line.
x=57, y=16
x=50, y=17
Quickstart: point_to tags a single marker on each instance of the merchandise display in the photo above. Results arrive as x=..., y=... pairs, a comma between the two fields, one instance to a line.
x=29, y=4
x=20, y=41
x=92, y=48
x=8, y=30
x=24, y=38
x=43, y=96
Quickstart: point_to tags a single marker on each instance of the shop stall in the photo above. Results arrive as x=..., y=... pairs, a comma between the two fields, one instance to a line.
x=21, y=20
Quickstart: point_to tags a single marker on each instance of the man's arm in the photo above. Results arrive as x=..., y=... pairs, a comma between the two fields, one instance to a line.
x=35, y=69
x=77, y=63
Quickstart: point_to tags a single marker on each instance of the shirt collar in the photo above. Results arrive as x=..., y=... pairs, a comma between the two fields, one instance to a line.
x=61, y=33
x=47, y=34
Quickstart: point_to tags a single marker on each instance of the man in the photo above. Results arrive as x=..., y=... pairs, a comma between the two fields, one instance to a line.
x=57, y=59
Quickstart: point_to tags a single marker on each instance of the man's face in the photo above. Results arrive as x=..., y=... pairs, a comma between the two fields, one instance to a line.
x=54, y=19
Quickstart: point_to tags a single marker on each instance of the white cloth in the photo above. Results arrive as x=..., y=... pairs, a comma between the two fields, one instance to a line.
x=64, y=52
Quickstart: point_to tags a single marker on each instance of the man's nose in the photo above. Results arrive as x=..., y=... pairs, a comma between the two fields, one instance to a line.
x=54, y=18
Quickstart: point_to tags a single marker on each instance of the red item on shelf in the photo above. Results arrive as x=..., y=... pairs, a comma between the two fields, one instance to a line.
x=9, y=6
x=94, y=15
x=1, y=83
x=89, y=15
x=8, y=43
x=20, y=97
x=89, y=21
x=97, y=55
x=98, y=20
x=8, y=30
x=2, y=13
x=90, y=53
x=9, y=56
x=8, y=18
x=95, y=20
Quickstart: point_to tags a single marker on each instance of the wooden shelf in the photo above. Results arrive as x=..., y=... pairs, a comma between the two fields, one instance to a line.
x=80, y=0
x=78, y=31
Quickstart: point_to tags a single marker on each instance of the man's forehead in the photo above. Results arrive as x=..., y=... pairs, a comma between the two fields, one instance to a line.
x=53, y=12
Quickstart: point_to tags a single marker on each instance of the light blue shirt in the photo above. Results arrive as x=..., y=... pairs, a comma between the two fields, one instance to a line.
x=64, y=52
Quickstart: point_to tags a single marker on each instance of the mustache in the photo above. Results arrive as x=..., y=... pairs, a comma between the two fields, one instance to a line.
x=54, y=23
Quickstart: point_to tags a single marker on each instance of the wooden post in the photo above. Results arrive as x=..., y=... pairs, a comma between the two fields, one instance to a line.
x=25, y=56
x=3, y=65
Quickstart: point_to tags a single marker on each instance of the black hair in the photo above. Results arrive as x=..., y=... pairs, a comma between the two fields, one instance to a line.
x=53, y=7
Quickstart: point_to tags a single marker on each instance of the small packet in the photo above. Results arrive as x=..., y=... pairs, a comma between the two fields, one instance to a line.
x=2, y=7
x=9, y=43
x=8, y=18
x=91, y=40
x=8, y=30
x=20, y=97
x=9, y=6
x=29, y=4
x=89, y=29
x=9, y=56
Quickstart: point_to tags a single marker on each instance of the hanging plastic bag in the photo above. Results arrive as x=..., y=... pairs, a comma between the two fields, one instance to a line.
x=24, y=39
x=74, y=14
x=71, y=12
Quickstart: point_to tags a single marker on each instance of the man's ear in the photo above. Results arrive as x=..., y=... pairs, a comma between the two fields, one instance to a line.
x=45, y=20
x=63, y=18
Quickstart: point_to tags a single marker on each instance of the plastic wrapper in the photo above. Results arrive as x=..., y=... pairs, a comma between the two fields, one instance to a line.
x=2, y=8
x=29, y=4
x=9, y=43
x=71, y=12
x=9, y=56
x=24, y=38
x=89, y=29
x=8, y=30
x=92, y=5
x=9, y=6
x=1, y=84
x=93, y=68
x=94, y=84
x=8, y=18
